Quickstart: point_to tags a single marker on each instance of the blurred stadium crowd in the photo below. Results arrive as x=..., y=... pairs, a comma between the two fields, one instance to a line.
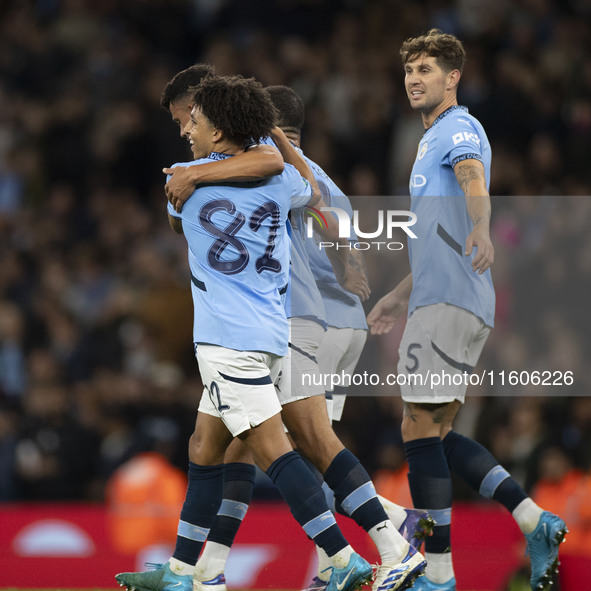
x=95, y=313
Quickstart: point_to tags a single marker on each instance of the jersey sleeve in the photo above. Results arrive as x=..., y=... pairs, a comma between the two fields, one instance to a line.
x=462, y=141
x=171, y=210
x=300, y=188
x=339, y=199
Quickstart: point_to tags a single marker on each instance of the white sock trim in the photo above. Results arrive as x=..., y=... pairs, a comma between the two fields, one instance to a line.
x=212, y=561
x=396, y=513
x=527, y=514
x=178, y=567
x=390, y=544
x=439, y=567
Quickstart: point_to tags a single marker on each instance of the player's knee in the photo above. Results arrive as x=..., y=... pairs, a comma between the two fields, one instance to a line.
x=195, y=445
x=305, y=443
x=203, y=454
x=418, y=425
x=238, y=452
x=408, y=430
x=319, y=448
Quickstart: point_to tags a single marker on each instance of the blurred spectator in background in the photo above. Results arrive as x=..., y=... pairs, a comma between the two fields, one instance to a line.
x=54, y=453
x=145, y=494
x=565, y=488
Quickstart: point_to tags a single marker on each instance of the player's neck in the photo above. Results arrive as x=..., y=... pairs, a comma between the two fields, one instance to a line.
x=429, y=117
x=226, y=147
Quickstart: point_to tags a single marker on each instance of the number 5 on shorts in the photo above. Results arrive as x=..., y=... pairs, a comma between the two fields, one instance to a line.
x=415, y=359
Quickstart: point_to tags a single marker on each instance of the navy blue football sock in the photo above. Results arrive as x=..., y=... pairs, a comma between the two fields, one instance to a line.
x=430, y=486
x=238, y=486
x=306, y=501
x=202, y=501
x=474, y=464
x=354, y=490
x=312, y=468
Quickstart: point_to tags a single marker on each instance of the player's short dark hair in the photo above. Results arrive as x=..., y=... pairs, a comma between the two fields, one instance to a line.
x=290, y=107
x=447, y=50
x=182, y=84
x=238, y=106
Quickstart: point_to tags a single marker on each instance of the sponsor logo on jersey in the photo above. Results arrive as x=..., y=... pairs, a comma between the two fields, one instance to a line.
x=417, y=180
x=467, y=136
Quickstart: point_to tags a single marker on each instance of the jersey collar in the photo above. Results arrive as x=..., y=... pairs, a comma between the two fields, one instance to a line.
x=219, y=156
x=447, y=112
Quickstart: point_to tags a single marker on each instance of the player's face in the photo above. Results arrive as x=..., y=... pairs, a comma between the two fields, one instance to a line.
x=426, y=83
x=180, y=111
x=201, y=134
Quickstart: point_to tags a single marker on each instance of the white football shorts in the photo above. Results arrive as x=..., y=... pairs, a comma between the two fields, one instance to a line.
x=338, y=356
x=439, y=341
x=238, y=386
x=300, y=377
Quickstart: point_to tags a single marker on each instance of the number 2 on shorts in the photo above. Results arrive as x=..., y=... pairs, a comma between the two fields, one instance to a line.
x=214, y=389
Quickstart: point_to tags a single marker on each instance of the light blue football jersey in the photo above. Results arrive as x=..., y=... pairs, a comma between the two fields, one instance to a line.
x=441, y=272
x=343, y=309
x=303, y=298
x=323, y=301
x=239, y=253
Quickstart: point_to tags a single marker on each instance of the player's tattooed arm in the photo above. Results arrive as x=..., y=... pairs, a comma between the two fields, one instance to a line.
x=471, y=178
x=356, y=280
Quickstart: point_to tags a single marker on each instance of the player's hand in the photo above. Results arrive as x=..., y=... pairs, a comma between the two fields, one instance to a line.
x=485, y=254
x=385, y=313
x=351, y=274
x=356, y=283
x=179, y=187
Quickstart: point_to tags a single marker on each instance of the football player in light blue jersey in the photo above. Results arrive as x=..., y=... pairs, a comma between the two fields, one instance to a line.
x=239, y=276
x=450, y=300
x=256, y=163
x=305, y=412
x=238, y=250
x=265, y=160
x=455, y=141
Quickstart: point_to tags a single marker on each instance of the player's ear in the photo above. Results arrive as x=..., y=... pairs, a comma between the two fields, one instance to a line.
x=453, y=78
x=217, y=135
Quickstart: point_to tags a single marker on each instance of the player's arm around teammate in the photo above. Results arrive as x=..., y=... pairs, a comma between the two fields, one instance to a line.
x=259, y=161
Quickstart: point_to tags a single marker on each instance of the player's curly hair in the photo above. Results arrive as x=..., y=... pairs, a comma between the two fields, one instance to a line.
x=447, y=50
x=182, y=84
x=238, y=106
